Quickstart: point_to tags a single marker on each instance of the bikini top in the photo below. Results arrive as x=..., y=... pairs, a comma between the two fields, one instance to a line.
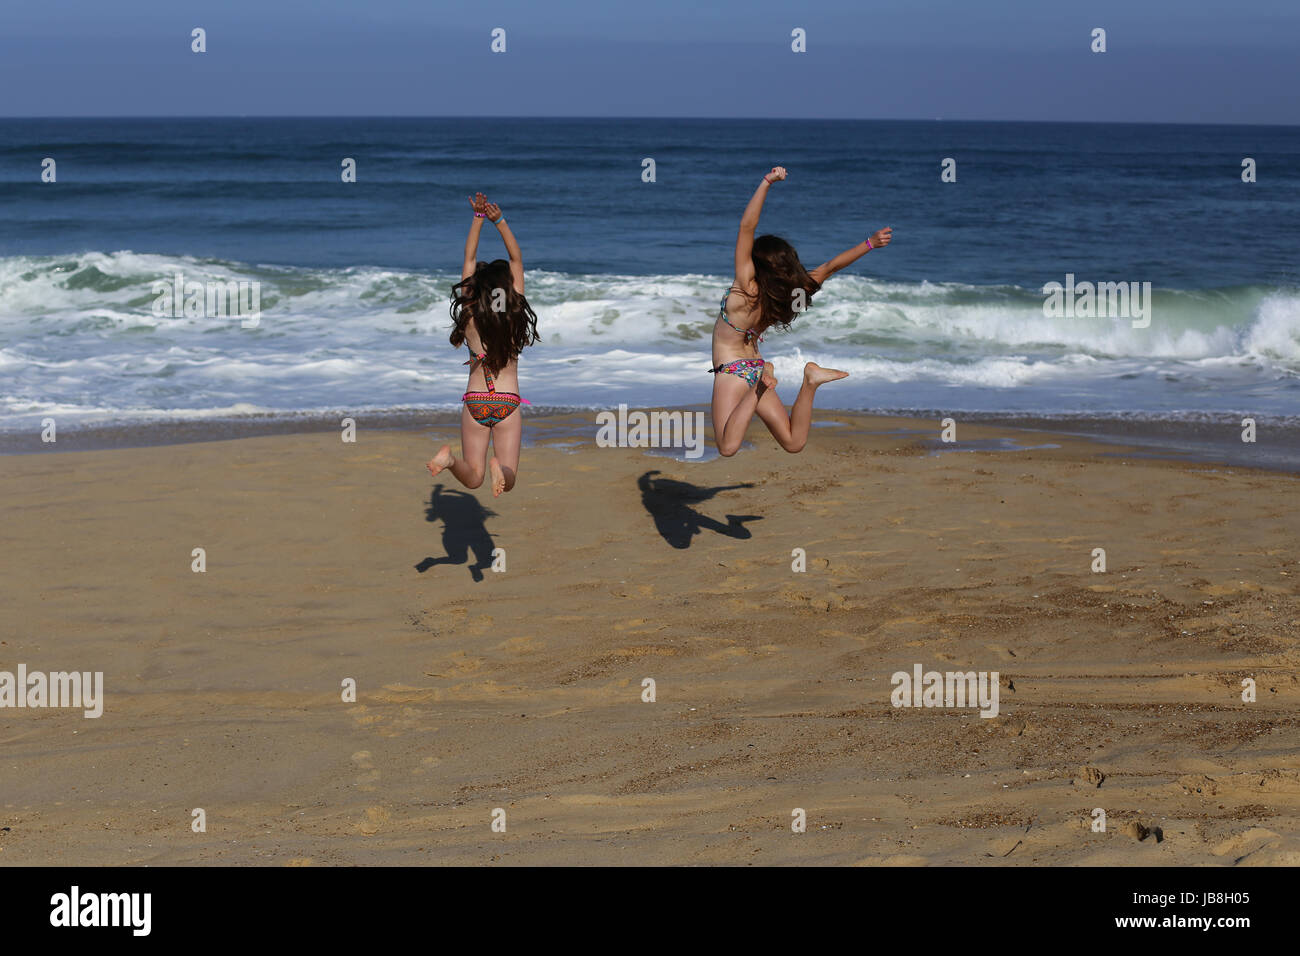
x=722, y=314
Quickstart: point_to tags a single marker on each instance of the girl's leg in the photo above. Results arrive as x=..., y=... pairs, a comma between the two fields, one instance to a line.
x=734, y=404
x=506, y=438
x=468, y=470
x=792, y=432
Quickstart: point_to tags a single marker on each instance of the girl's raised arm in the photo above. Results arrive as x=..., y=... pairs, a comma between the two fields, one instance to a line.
x=878, y=240
x=512, y=245
x=479, y=204
x=749, y=223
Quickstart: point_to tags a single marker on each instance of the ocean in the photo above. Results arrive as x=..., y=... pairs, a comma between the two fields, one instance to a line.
x=625, y=275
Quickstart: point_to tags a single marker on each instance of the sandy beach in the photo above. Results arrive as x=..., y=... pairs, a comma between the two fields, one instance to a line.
x=522, y=690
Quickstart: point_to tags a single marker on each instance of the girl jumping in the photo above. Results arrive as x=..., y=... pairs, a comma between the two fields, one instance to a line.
x=771, y=289
x=493, y=320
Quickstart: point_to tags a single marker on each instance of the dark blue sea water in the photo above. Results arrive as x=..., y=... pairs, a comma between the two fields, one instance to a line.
x=625, y=274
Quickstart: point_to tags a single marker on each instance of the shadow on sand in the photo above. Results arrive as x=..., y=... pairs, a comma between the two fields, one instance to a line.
x=464, y=530
x=669, y=503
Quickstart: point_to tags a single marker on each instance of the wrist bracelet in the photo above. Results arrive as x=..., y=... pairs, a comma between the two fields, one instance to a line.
x=498, y=220
x=869, y=245
x=480, y=215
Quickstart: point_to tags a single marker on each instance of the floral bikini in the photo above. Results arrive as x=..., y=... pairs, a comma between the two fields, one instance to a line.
x=751, y=370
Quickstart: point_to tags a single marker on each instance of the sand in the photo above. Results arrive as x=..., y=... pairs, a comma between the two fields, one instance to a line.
x=521, y=691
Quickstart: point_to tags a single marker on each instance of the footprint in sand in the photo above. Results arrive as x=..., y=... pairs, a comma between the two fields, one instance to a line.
x=1091, y=776
x=1140, y=831
x=426, y=764
x=369, y=776
x=520, y=645
x=401, y=713
x=477, y=626
x=375, y=819
x=361, y=714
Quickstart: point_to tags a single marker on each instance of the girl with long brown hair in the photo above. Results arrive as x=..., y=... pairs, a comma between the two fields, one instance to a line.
x=491, y=317
x=771, y=289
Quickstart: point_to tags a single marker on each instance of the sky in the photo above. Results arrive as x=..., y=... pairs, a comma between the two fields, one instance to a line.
x=1176, y=61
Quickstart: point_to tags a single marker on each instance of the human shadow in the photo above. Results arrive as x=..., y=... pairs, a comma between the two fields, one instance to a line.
x=669, y=503
x=464, y=530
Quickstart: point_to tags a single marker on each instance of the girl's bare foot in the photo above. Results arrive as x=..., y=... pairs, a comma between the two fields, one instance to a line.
x=440, y=461
x=498, y=477
x=814, y=374
x=769, y=375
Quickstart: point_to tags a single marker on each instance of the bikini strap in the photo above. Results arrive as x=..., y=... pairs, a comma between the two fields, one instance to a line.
x=722, y=314
x=487, y=372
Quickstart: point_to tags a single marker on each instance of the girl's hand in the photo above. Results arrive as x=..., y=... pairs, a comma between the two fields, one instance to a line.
x=492, y=209
x=478, y=202
x=776, y=175
x=882, y=237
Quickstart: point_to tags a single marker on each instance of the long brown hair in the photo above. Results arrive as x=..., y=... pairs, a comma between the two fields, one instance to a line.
x=504, y=332
x=778, y=272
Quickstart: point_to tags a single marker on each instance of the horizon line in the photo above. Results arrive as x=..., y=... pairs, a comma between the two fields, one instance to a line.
x=780, y=119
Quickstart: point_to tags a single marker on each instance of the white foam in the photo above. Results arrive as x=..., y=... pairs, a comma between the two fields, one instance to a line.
x=1275, y=333
x=373, y=336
